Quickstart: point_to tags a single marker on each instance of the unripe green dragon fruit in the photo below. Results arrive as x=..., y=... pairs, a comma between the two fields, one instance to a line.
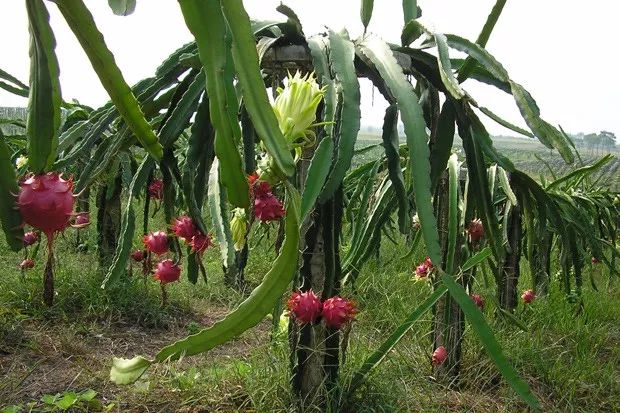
x=238, y=227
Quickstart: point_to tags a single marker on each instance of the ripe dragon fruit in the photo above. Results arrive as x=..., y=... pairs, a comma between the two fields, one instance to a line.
x=305, y=307
x=46, y=203
x=421, y=271
x=30, y=238
x=528, y=296
x=268, y=208
x=184, y=228
x=475, y=230
x=338, y=311
x=261, y=189
x=137, y=255
x=167, y=271
x=478, y=300
x=156, y=242
x=156, y=189
x=439, y=356
x=428, y=263
x=200, y=243
x=82, y=220
x=26, y=264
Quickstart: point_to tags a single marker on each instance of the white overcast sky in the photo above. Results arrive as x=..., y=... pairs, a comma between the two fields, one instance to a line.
x=563, y=51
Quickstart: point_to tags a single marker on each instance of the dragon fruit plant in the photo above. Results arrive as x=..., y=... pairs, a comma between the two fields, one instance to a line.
x=285, y=132
x=295, y=110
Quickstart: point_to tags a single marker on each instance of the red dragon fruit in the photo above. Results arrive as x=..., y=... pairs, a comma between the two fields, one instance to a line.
x=200, y=243
x=30, y=238
x=137, y=255
x=261, y=189
x=478, y=300
x=156, y=242
x=305, y=307
x=421, y=271
x=156, y=189
x=338, y=311
x=26, y=264
x=475, y=230
x=428, y=263
x=167, y=271
x=268, y=208
x=184, y=227
x=46, y=203
x=528, y=296
x=439, y=356
x=82, y=220
x=595, y=261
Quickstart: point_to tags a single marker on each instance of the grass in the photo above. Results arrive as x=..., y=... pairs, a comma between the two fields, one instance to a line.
x=570, y=354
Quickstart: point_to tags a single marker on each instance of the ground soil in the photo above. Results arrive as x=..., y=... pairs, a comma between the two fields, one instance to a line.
x=51, y=358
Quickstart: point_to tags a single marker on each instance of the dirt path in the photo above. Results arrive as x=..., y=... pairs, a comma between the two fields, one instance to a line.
x=52, y=359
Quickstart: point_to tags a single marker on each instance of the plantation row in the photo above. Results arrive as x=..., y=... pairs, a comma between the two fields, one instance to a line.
x=201, y=138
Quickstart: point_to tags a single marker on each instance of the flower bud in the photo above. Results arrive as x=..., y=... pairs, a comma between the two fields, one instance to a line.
x=21, y=161
x=238, y=227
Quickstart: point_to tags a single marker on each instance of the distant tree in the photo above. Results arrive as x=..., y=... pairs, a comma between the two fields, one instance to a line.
x=607, y=140
x=577, y=138
x=591, y=141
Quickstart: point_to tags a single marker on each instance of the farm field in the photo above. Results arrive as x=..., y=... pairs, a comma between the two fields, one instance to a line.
x=528, y=155
x=569, y=354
